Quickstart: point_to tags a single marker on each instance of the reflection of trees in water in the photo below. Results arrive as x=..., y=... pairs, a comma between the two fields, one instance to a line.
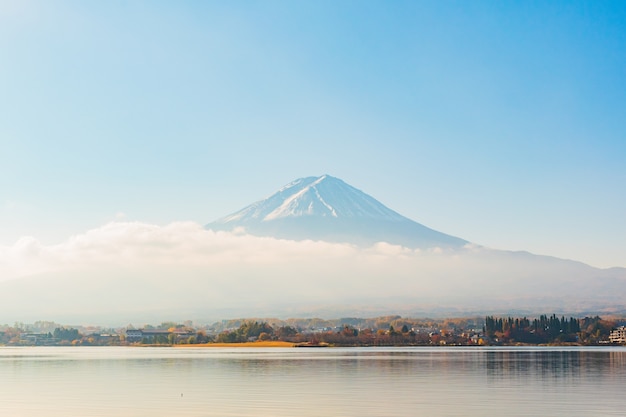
x=410, y=364
x=402, y=362
x=509, y=364
x=560, y=364
x=397, y=363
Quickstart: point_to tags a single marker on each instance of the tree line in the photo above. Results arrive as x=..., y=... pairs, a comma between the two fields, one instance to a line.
x=380, y=331
x=544, y=329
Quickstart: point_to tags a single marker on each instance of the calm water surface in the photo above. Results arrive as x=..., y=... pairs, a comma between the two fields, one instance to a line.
x=156, y=382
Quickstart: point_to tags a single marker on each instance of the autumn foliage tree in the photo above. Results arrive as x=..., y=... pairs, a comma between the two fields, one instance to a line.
x=246, y=331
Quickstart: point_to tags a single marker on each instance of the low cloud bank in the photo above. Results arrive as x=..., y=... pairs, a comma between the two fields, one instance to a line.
x=131, y=267
x=183, y=244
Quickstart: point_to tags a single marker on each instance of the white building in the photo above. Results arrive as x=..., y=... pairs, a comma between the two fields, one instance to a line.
x=618, y=335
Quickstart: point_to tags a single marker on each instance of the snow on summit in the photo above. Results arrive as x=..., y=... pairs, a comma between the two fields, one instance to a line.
x=326, y=208
x=307, y=201
x=315, y=196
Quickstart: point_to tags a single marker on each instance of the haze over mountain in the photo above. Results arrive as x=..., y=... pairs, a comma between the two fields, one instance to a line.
x=119, y=119
x=326, y=208
x=317, y=247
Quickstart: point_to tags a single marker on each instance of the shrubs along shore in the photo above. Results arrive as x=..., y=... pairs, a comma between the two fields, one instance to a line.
x=380, y=331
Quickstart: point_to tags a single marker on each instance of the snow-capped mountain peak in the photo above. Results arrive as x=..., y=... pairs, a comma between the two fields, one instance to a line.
x=326, y=208
x=323, y=196
x=307, y=201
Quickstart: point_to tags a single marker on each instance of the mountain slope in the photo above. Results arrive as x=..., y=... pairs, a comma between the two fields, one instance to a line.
x=316, y=283
x=326, y=208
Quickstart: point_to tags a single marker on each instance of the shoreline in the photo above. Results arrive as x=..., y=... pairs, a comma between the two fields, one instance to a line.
x=273, y=343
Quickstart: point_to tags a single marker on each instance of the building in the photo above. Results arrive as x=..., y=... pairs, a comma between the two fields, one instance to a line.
x=134, y=335
x=154, y=335
x=618, y=335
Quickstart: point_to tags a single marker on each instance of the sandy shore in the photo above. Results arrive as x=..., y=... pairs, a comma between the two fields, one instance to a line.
x=238, y=345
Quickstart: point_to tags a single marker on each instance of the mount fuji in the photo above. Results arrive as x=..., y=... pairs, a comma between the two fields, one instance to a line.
x=316, y=257
x=326, y=208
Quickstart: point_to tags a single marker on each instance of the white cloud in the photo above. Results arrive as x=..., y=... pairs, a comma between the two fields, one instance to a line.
x=149, y=267
x=187, y=244
x=141, y=244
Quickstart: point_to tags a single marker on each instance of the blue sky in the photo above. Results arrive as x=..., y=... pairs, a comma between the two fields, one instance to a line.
x=498, y=122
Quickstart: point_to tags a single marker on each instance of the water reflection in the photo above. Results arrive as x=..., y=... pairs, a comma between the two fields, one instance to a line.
x=547, y=363
x=334, y=382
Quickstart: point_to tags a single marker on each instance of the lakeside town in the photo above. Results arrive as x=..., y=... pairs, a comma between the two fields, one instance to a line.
x=379, y=331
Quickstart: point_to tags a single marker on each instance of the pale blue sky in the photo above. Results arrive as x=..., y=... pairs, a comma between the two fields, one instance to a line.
x=503, y=123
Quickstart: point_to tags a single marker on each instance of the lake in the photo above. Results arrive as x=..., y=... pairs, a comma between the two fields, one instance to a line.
x=446, y=381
